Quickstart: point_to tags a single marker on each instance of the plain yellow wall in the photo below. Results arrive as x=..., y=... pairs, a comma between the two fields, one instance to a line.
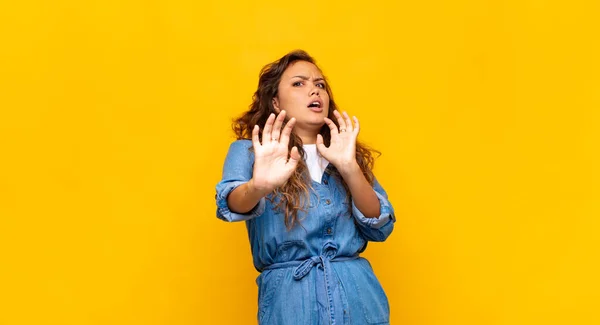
x=115, y=119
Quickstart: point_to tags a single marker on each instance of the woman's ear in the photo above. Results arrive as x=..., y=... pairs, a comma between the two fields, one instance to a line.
x=276, y=104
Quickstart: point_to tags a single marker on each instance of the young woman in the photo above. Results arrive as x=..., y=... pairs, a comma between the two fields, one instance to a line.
x=304, y=186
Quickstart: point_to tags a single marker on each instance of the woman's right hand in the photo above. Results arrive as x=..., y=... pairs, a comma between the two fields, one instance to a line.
x=271, y=165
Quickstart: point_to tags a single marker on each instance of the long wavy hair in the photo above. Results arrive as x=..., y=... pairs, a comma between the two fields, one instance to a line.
x=295, y=192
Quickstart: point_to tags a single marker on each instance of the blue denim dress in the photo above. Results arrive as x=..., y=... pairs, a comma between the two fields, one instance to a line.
x=311, y=274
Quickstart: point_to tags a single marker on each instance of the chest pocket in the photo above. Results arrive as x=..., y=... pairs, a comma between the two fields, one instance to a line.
x=314, y=200
x=291, y=250
x=345, y=199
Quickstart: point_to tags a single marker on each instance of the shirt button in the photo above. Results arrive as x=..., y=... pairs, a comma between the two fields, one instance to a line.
x=329, y=231
x=325, y=182
x=328, y=201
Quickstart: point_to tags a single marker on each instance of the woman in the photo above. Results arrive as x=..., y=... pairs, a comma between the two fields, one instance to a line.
x=306, y=190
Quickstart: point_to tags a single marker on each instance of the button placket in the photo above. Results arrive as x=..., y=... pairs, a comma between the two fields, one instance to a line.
x=329, y=220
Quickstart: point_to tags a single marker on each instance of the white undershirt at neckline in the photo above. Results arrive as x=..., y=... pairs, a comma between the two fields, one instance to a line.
x=315, y=162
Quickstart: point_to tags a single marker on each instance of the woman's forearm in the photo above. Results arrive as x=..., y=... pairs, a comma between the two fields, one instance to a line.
x=245, y=197
x=362, y=192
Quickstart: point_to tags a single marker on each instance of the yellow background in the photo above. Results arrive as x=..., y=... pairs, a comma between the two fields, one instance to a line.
x=115, y=119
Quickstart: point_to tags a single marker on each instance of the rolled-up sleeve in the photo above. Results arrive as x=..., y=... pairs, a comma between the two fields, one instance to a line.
x=237, y=170
x=379, y=228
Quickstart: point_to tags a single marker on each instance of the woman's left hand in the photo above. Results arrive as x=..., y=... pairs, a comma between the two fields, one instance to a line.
x=342, y=147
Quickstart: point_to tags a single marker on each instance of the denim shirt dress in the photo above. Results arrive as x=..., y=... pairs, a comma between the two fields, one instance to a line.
x=311, y=274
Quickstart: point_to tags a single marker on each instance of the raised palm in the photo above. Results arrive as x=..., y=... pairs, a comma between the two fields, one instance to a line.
x=272, y=168
x=342, y=147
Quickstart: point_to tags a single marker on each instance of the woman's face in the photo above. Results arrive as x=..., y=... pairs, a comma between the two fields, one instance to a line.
x=302, y=94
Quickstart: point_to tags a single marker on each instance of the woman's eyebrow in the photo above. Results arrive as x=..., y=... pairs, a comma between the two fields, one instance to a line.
x=307, y=78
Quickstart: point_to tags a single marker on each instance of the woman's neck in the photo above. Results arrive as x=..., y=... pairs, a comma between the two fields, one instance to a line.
x=307, y=136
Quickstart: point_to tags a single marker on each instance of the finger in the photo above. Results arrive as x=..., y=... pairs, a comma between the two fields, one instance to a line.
x=348, y=122
x=332, y=127
x=277, y=126
x=320, y=145
x=255, y=140
x=287, y=131
x=266, y=136
x=294, y=157
x=356, y=125
x=340, y=120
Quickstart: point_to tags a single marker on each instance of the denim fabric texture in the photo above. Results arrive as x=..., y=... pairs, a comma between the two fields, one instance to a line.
x=313, y=273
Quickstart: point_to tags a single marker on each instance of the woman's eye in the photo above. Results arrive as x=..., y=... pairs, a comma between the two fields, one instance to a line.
x=322, y=85
x=297, y=83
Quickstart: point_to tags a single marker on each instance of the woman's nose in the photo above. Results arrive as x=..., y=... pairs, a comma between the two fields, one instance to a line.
x=315, y=91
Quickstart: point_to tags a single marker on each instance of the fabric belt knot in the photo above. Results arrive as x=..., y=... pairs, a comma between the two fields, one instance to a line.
x=305, y=267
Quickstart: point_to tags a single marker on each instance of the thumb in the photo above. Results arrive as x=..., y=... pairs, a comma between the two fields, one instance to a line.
x=320, y=145
x=294, y=156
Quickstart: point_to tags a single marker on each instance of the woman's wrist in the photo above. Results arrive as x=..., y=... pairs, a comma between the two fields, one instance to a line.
x=350, y=169
x=256, y=191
